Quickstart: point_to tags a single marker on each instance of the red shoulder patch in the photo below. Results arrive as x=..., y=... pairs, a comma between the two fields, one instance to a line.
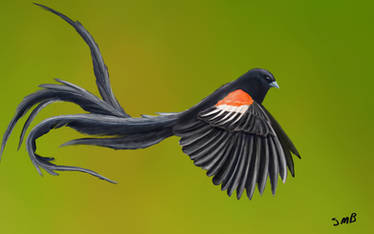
x=236, y=98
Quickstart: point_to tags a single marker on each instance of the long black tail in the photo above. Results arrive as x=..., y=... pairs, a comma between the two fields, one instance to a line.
x=105, y=118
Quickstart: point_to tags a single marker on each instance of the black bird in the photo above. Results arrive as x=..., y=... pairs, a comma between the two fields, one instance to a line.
x=229, y=134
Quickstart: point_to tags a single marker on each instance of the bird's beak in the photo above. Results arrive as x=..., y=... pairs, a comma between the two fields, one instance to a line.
x=274, y=84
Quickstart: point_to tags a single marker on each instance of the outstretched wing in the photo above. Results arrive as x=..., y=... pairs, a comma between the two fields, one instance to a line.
x=238, y=143
x=100, y=69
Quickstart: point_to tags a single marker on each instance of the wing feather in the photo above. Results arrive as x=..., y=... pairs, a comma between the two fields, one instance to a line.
x=239, y=145
x=210, y=150
x=232, y=170
x=212, y=166
x=252, y=178
x=273, y=166
x=231, y=158
x=281, y=158
x=289, y=161
x=216, y=169
x=264, y=165
x=219, y=116
x=234, y=182
x=203, y=141
x=248, y=156
x=210, y=158
x=281, y=133
x=195, y=136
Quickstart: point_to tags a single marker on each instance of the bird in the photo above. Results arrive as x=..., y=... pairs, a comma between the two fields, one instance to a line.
x=229, y=134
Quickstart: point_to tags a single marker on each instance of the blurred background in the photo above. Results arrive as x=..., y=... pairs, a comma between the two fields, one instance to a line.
x=166, y=56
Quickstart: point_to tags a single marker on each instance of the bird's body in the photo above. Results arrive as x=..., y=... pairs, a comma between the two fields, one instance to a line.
x=229, y=133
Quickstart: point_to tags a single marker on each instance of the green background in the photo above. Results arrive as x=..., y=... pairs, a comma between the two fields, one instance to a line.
x=166, y=56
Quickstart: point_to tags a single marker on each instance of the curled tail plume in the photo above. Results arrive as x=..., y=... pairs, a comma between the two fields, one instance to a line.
x=105, y=116
x=127, y=133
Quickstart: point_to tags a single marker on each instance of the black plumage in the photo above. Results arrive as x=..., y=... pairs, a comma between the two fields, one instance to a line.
x=229, y=134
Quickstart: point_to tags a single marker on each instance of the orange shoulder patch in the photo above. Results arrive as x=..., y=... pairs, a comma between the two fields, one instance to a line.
x=236, y=98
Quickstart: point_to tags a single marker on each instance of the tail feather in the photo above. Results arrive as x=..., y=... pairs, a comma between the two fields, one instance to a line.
x=58, y=92
x=104, y=125
x=106, y=120
x=100, y=69
x=136, y=141
x=130, y=133
x=31, y=117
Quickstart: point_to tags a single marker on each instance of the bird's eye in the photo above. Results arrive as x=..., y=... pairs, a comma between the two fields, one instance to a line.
x=267, y=78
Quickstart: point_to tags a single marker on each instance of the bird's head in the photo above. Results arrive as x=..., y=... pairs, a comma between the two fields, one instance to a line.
x=257, y=82
x=262, y=78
